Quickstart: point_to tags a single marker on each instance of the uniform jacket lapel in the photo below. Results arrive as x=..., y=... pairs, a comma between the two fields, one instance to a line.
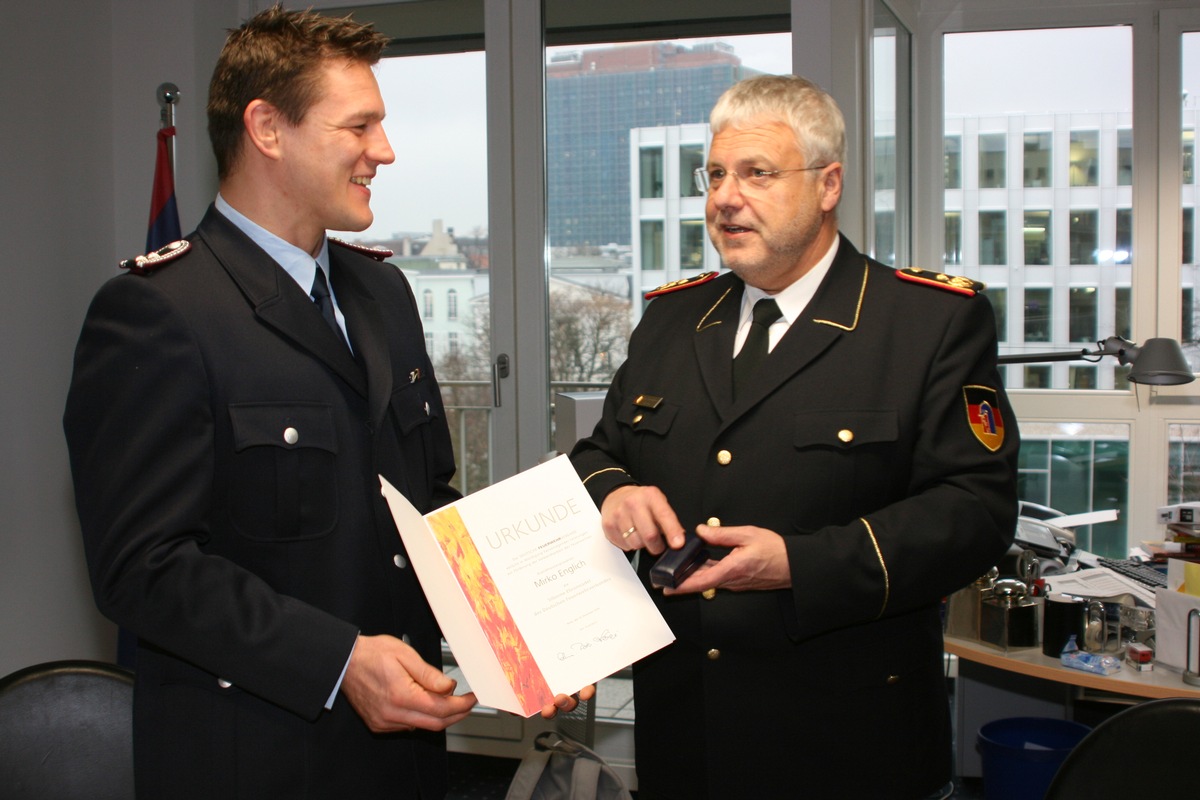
x=833, y=313
x=715, y=332
x=276, y=298
x=364, y=319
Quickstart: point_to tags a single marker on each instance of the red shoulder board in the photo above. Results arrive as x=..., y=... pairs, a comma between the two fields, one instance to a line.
x=682, y=283
x=377, y=253
x=144, y=265
x=951, y=283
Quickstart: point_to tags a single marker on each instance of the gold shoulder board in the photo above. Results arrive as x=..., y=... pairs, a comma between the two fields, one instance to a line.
x=144, y=265
x=951, y=283
x=682, y=283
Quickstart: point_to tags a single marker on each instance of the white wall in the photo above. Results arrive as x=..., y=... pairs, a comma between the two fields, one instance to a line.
x=77, y=84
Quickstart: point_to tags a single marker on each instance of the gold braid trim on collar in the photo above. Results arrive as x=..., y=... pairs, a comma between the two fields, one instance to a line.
x=862, y=292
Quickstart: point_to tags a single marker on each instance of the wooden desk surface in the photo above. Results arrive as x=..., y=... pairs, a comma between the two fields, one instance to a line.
x=1159, y=682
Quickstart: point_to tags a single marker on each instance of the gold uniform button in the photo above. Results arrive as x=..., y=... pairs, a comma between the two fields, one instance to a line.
x=637, y=419
x=892, y=680
x=724, y=457
x=713, y=522
x=709, y=594
x=713, y=654
x=846, y=436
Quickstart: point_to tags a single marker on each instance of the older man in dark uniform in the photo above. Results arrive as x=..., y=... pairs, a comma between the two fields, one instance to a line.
x=835, y=433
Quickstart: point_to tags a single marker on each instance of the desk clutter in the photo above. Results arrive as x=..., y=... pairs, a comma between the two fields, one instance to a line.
x=1100, y=615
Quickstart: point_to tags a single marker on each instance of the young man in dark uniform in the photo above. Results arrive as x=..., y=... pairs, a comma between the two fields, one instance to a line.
x=860, y=469
x=233, y=404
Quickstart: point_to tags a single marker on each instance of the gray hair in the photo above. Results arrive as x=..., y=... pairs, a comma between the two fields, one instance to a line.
x=814, y=117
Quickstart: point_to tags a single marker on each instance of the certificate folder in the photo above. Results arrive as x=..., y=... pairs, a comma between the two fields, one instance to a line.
x=531, y=597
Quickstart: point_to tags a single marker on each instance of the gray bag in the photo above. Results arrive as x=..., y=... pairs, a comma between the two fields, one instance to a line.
x=559, y=768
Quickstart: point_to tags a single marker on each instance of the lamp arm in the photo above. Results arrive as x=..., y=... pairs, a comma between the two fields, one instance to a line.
x=1123, y=349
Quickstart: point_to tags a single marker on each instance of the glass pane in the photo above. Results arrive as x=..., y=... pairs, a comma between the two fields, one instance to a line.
x=1183, y=470
x=1085, y=155
x=1037, y=159
x=1077, y=467
x=1037, y=237
x=1070, y=122
x=891, y=127
x=626, y=126
x=953, y=254
x=1082, y=314
x=1189, y=270
x=439, y=232
x=952, y=148
x=993, y=237
x=991, y=160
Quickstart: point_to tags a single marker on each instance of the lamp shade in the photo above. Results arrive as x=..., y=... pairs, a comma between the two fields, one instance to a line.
x=1159, y=362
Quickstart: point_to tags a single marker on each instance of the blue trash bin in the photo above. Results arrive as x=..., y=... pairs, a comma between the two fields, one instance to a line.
x=1021, y=754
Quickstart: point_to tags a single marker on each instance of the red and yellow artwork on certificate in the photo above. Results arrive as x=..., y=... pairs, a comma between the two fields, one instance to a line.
x=514, y=655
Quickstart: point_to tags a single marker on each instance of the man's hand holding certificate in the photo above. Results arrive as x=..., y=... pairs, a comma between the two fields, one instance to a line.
x=532, y=598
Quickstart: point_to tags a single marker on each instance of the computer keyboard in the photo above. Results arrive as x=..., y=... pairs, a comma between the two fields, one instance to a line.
x=1135, y=570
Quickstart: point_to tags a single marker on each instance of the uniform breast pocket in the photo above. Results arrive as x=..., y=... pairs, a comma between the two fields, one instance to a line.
x=413, y=407
x=283, y=484
x=845, y=456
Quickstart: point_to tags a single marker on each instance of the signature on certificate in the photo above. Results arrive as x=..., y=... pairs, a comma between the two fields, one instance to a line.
x=578, y=647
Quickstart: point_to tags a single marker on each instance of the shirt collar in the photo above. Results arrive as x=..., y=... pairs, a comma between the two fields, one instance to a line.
x=294, y=261
x=795, y=298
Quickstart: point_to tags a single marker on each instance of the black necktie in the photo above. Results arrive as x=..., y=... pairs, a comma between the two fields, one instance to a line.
x=320, y=296
x=754, y=350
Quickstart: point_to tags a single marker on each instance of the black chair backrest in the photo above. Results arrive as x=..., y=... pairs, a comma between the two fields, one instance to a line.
x=1147, y=750
x=66, y=731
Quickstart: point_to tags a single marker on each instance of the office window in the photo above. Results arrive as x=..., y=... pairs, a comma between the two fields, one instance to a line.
x=452, y=305
x=1085, y=158
x=1189, y=235
x=1123, y=250
x=1074, y=467
x=991, y=160
x=1183, y=468
x=1084, y=236
x=429, y=345
x=1036, y=169
x=691, y=158
x=427, y=303
x=952, y=161
x=1123, y=317
x=1189, y=157
x=885, y=237
x=652, y=244
x=1124, y=157
x=452, y=344
x=651, y=171
x=1037, y=238
x=993, y=233
x=885, y=162
x=1035, y=377
x=1082, y=314
x=999, y=300
x=1082, y=377
x=954, y=234
x=691, y=244
x=1038, y=314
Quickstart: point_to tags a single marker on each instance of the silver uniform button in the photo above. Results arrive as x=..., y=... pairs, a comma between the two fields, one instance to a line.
x=400, y=561
x=427, y=408
x=291, y=435
x=406, y=640
x=224, y=684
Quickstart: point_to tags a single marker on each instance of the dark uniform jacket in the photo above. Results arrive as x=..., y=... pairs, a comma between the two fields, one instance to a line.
x=225, y=447
x=876, y=439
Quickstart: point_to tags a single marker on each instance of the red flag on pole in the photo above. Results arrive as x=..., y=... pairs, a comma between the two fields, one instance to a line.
x=164, y=215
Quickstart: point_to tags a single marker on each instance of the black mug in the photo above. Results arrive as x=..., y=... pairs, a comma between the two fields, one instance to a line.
x=1063, y=615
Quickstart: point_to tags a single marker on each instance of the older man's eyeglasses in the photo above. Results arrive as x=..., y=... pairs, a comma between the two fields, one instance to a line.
x=709, y=180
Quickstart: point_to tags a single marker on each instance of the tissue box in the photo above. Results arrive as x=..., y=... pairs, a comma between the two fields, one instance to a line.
x=1171, y=609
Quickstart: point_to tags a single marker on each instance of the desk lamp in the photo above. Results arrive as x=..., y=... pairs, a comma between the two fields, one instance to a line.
x=1158, y=362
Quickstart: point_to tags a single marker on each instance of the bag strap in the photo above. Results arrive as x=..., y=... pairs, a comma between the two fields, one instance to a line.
x=585, y=778
x=529, y=772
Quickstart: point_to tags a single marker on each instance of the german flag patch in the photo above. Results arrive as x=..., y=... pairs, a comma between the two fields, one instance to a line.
x=983, y=415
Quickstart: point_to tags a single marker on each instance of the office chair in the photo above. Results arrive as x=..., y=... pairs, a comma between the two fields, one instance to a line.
x=1145, y=750
x=66, y=732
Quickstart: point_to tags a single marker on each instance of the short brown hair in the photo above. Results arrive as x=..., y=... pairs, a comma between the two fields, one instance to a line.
x=276, y=56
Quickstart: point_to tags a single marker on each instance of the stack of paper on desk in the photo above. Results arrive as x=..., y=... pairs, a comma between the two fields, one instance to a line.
x=531, y=597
